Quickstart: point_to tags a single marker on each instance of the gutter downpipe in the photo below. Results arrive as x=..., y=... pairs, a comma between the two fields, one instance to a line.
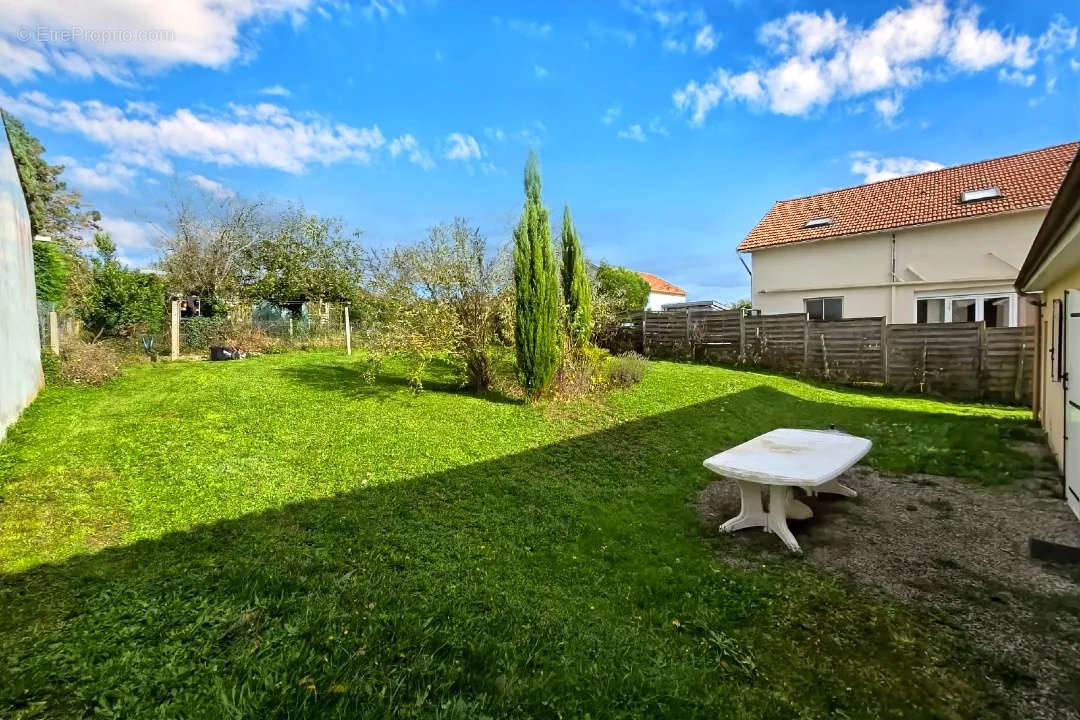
x=892, y=284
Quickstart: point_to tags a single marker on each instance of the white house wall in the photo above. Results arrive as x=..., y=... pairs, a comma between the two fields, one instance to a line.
x=976, y=256
x=658, y=300
x=20, y=347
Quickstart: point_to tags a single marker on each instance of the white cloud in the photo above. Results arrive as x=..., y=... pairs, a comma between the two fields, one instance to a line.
x=1016, y=77
x=673, y=45
x=130, y=236
x=634, y=132
x=115, y=38
x=382, y=9
x=212, y=187
x=889, y=106
x=657, y=128
x=540, y=71
x=818, y=58
x=495, y=134
x=103, y=176
x=462, y=147
x=263, y=135
x=529, y=28
x=705, y=40
x=611, y=114
x=276, y=90
x=416, y=154
x=875, y=169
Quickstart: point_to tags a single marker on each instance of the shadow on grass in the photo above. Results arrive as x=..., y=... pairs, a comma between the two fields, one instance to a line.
x=351, y=381
x=571, y=579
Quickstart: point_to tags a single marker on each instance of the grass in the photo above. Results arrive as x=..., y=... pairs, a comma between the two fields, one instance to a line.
x=276, y=538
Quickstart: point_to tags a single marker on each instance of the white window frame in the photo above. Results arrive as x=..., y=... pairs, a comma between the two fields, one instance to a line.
x=979, y=298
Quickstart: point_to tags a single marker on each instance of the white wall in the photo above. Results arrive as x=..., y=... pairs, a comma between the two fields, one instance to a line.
x=20, y=349
x=969, y=256
x=658, y=300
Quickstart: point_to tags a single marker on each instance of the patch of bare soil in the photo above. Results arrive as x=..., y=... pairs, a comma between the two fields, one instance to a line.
x=958, y=551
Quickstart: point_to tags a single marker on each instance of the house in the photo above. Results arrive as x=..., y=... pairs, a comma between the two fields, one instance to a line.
x=940, y=246
x=1052, y=273
x=661, y=292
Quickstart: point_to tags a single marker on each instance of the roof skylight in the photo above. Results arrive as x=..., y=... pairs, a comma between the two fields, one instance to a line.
x=818, y=222
x=980, y=194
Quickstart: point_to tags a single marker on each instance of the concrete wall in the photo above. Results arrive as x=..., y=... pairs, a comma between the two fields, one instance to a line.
x=979, y=256
x=658, y=300
x=20, y=348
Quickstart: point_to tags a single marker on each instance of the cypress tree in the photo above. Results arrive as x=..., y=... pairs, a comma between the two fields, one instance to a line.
x=536, y=289
x=575, y=284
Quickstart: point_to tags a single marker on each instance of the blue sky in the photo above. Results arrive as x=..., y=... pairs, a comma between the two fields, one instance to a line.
x=669, y=128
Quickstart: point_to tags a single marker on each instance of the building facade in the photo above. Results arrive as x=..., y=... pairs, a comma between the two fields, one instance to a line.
x=943, y=246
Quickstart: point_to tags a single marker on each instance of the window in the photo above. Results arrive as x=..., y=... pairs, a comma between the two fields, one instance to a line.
x=830, y=308
x=930, y=310
x=963, y=310
x=980, y=194
x=995, y=309
x=818, y=222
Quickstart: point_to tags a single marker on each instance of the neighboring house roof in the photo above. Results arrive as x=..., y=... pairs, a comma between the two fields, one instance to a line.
x=1063, y=214
x=659, y=285
x=1028, y=180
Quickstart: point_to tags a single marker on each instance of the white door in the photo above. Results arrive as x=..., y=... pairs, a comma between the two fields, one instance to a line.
x=1072, y=400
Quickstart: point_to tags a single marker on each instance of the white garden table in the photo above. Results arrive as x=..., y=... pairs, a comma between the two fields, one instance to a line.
x=785, y=459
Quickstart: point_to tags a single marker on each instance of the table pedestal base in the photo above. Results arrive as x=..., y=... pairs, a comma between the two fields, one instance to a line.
x=782, y=505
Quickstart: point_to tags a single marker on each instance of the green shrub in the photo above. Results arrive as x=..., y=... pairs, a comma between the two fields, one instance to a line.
x=199, y=333
x=627, y=369
x=120, y=300
x=582, y=371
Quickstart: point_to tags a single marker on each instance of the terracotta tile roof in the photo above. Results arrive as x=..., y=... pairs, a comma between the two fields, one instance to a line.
x=660, y=285
x=1027, y=180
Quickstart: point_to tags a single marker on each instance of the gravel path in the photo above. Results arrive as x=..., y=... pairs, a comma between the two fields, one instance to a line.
x=959, y=550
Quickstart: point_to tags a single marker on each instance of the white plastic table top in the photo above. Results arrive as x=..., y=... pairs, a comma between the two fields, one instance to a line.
x=787, y=456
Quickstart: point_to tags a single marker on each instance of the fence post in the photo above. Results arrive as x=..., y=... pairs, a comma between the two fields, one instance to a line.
x=1018, y=384
x=883, y=344
x=742, y=337
x=174, y=329
x=644, y=346
x=980, y=362
x=54, y=333
x=806, y=345
x=348, y=333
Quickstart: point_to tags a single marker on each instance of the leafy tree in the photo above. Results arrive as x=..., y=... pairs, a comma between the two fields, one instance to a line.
x=50, y=272
x=54, y=210
x=627, y=291
x=740, y=304
x=575, y=284
x=206, y=252
x=536, y=288
x=119, y=300
x=441, y=296
x=302, y=257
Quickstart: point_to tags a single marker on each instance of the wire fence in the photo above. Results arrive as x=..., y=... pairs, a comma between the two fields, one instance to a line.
x=252, y=330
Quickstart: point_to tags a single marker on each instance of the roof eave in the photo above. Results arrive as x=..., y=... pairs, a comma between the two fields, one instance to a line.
x=891, y=228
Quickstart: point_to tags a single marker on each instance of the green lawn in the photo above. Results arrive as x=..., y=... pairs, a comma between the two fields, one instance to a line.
x=275, y=538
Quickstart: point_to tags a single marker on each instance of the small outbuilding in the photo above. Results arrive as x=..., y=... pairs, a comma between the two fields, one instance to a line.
x=1050, y=277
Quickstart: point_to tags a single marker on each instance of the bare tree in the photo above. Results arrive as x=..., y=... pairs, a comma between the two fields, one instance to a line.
x=442, y=295
x=206, y=250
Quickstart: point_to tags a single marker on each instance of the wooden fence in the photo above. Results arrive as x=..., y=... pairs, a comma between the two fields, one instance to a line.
x=960, y=360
